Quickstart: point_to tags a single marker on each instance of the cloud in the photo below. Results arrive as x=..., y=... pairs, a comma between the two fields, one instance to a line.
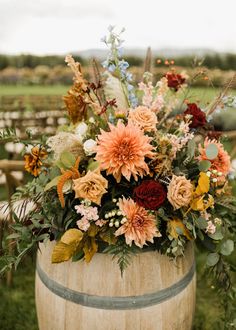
x=21, y=9
x=56, y=25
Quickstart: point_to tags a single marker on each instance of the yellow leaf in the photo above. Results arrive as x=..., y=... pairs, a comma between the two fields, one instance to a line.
x=72, y=236
x=90, y=248
x=108, y=236
x=66, y=247
x=203, y=184
x=62, y=252
x=199, y=204
x=93, y=230
x=174, y=225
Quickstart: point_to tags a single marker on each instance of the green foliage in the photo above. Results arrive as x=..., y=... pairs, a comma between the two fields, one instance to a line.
x=211, y=61
x=8, y=134
x=204, y=165
x=31, y=61
x=123, y=253
x=211, y=151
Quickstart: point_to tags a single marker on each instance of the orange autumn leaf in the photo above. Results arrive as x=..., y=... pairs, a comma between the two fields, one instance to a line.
x=72, y=173
x=33, y=161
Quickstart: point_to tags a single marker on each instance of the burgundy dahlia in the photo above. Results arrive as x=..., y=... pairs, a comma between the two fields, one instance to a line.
x=150, y=194
x=174, y=80
x=198, y=116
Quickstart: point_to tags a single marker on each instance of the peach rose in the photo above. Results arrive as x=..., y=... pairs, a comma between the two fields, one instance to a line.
x=92, y=186
x=144, y=118
x=180, y=192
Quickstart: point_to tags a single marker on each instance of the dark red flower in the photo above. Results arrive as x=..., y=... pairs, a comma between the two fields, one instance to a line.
x=174, y=80
x=198, y=116
x=150, y=194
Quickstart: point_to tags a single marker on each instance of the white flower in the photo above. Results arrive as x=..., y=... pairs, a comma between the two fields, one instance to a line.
x=89, y=146
x=81, y=130
x=92, y=120
x=233, y=164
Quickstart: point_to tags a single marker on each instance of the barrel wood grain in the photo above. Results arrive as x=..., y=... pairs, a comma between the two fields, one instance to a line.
x=149, y=272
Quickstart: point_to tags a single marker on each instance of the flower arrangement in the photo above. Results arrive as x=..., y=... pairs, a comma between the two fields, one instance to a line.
x=138, y=167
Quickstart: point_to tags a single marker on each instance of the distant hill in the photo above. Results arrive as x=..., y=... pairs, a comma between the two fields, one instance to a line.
x=141, y=52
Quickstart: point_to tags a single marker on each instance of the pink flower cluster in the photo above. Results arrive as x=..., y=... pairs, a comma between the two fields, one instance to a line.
x=155, y=103
x=88, y=213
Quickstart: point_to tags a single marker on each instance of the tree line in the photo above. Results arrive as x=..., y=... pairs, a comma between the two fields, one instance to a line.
x=211, y=61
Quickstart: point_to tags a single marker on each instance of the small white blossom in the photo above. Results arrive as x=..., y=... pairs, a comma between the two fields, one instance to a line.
x=89, y=147
x=81, y=130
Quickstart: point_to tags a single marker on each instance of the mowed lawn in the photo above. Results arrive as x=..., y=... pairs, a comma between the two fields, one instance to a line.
x=17, y=306
x=33, y=90
x=203, y=94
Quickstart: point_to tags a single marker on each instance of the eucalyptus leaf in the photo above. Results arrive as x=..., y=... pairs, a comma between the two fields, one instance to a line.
x=52, y=183
x=212, y=259
x=67, y=159
x=211, y=151
x=93, y=165
x=191, y=148
x=200, y=235
x=227, y=247
x=217, y=236
x=204, y=165
x=201, y=223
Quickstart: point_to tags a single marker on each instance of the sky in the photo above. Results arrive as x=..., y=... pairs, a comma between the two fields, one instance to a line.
x=61, y=26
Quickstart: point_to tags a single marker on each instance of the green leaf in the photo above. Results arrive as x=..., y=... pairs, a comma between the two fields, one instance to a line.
x=191, y=148
x=52, y=183
x=227, y=247
x=67, y=159
x=78, y=256
x=93, y=165
x=217, y=236
x=108, y=236
x=201, y=223
x=204, y=165
x=55, y=171
x=14, y=235
x=212, y=259
x=200, y=235
x=211, y=151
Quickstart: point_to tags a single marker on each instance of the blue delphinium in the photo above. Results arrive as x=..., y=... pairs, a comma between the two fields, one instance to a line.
x=115, y=63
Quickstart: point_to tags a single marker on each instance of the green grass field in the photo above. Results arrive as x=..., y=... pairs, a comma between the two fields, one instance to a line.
x=33, y=90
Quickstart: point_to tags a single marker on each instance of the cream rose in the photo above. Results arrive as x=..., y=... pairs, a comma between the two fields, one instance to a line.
x=81, y=130
x=180, y=192
x=89, y=146
x=144, y=118
x=92, y=186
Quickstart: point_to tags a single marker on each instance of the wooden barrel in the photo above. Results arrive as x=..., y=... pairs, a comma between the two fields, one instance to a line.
x=155, y=293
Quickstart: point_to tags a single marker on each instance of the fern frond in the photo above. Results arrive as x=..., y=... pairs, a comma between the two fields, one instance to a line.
x=123, y=253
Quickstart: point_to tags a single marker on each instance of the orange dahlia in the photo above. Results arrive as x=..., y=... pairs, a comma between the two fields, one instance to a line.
x=33, y=161
x=222, y=162
x=122, y=151
x=140, y=226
